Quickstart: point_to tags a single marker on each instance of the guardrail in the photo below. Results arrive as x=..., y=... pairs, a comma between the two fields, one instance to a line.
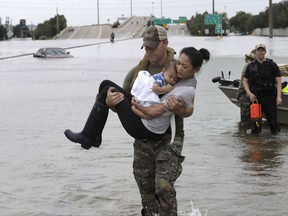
x=281, y=32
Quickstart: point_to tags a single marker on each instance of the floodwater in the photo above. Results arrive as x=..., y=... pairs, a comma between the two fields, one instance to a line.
x=227, y=172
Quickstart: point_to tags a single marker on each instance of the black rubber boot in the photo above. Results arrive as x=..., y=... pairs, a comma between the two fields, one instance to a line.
x=256, y=130
x=91, y=135
x=274, y=127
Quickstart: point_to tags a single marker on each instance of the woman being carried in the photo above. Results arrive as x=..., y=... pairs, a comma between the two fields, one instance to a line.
x=145, y=90
x=148, y=126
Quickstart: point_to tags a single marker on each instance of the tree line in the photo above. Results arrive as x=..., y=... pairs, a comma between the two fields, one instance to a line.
x=242, y=23
x=46, y=30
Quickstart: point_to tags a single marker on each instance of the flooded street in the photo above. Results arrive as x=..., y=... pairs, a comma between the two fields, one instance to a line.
x=226, y=171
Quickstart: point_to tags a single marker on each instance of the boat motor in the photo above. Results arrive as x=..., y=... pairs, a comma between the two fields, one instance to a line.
x=216, y=79
x=226, y=82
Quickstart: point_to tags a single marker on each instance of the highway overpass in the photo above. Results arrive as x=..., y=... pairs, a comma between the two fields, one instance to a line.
x=132, y=27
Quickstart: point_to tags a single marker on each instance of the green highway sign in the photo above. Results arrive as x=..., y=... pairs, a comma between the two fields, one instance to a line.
x=182, y=19
x=218, y=29
x=212, y=19
x=162, y=21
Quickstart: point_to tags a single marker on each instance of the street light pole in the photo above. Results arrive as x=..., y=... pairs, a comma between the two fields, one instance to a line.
x=98, y=11
x=213, y=7
x=161, y=10
x=57, y=21
x=131, y=7
x=152, y=8
x=270, y=19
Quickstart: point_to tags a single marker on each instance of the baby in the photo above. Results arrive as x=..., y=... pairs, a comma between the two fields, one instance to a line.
x=147, y=89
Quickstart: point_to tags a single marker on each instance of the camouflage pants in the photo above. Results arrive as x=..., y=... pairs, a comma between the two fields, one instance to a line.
x=245, y=119
x=156, y=167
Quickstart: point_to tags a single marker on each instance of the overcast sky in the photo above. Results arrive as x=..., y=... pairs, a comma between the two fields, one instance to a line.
x=84, y=12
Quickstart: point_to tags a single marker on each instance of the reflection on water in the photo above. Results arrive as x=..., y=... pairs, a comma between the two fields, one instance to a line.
x=262, y=154
x=264, y=169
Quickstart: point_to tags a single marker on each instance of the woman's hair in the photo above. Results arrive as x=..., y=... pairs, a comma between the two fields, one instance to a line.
x=196, y=56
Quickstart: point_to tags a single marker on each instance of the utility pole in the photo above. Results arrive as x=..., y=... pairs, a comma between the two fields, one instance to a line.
x=213, y=7
x=161, y=10
x=270, y=19
x=98, y=11
x=131, y=7
x=57, y=21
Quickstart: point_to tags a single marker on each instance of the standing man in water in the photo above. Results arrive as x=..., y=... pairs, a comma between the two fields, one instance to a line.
x=157, y=160
x=156, y=164
x=262, y=82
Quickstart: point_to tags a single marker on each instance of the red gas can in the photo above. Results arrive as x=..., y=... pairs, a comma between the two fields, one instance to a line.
x=255, y=110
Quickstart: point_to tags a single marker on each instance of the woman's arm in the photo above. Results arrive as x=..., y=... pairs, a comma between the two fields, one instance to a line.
x=176, y=105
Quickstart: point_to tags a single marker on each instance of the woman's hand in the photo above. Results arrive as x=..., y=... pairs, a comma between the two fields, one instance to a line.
x=176, y=105
x=113, y=98
x=173, y=104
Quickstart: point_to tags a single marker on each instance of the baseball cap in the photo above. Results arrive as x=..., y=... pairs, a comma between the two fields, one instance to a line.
x=153, y=35
x=260, y=46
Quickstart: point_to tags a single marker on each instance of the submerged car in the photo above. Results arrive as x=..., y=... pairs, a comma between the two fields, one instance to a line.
x=53, y=52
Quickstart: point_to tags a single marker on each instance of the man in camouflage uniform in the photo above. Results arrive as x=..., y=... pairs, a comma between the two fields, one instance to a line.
x=157, y=163
x=242, y=97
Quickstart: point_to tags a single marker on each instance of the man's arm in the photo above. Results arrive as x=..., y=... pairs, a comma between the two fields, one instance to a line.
x=278, y=81
x=128, y=79
x=247, y=89
x=114, y=98
x=246, y=78
x=147, y=112
x=279, y=90
x=173, y=104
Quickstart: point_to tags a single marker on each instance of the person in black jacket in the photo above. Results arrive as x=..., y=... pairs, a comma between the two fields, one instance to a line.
x=262, y=82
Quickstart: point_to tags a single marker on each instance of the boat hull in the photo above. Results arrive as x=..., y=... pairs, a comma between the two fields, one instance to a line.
x=282, y=114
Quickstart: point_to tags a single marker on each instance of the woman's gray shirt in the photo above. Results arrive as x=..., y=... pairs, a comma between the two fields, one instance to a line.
x=184, y=89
